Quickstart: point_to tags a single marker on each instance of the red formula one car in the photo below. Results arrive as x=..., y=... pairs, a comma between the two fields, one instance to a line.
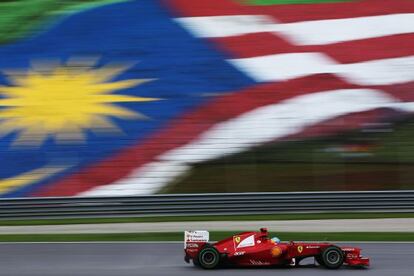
x=257, y=249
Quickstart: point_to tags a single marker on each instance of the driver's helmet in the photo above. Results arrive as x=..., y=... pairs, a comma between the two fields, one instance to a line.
x=275, y=240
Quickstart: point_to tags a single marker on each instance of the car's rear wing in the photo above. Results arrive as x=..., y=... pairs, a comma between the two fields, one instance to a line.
x=195, y=237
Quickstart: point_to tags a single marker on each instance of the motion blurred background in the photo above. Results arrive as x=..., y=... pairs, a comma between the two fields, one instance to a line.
x=119, y=98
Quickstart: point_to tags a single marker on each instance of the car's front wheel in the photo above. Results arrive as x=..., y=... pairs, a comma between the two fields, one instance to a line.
x=332, y=257
x=208, y=258
x=319, y=260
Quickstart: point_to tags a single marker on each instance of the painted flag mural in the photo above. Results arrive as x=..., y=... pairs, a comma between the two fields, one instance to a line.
x=127, y=97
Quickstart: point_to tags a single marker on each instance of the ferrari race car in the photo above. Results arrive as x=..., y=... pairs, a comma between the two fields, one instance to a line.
x=258, y=249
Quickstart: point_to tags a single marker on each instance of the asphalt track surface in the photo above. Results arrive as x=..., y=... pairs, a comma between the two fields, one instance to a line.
x=325, y=225
x=119, y=259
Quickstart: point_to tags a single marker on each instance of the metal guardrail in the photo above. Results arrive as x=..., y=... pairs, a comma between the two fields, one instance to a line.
x=207, y=204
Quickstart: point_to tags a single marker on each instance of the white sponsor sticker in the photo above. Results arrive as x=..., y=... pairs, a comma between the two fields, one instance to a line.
x=313, y=246
x=195, y=236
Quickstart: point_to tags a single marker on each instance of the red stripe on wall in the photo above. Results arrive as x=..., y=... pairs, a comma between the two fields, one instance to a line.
x=254, y=45
x=291, y=13
x=294, y=13
x=262, y=44
x=348, y=122
x=404, y=91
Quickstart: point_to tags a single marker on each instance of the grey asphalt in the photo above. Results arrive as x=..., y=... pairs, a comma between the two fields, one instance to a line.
x=119, y=259
x=327, y=225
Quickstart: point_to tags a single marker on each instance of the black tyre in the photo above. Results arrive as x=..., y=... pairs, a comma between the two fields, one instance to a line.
x=319, y=260
x=332, y=257
x=195, y=262
x=208, y=258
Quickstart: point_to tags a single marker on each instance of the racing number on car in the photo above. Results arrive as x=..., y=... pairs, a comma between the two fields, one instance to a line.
x=300, y=248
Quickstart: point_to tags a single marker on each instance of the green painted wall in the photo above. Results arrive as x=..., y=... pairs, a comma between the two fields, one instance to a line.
x=20, y=18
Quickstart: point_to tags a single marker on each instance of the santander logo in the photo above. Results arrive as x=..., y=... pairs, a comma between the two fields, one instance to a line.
x=256, y=262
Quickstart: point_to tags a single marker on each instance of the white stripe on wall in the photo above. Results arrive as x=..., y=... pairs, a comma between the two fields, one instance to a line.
x=145, y=180
x=288, y=66
x=284, y=66
x=303, y=33
x=337, y=30
x=378, y=72
x=222, y=26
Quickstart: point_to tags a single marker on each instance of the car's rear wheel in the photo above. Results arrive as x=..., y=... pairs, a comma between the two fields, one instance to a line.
x=208, y=258
x=195, y=262
x=332, y=257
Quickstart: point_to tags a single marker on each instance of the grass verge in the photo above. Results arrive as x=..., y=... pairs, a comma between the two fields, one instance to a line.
x=207, y=218
x=178, y=236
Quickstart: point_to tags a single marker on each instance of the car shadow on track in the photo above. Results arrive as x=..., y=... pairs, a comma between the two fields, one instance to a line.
x=281, y=268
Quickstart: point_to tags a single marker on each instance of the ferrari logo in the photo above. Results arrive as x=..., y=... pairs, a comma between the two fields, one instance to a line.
x=300, y=248
x=237, y=239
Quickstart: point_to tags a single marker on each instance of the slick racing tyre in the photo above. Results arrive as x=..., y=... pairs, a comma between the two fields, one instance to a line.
x=332, y=257
x=319, y=260
x=208, y=258
x=195, y=262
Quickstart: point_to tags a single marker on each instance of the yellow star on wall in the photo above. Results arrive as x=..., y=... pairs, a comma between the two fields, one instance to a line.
x=63, y=101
